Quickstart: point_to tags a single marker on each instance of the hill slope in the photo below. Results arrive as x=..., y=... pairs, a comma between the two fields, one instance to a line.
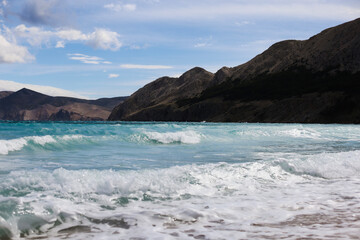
x=26, y=104
x=5, y=94
x=314, y=81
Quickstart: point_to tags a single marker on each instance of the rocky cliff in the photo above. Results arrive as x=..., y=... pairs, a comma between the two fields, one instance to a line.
x=26, y=104
x=311, y=81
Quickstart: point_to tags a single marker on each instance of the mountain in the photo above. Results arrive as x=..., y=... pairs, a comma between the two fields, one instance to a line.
x=311, y=81
x=165, y=91
x=5, y=94
x=26, y=104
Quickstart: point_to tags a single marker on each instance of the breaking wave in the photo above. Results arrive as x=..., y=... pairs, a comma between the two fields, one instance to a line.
x=60, y=201
x=325, y=165
x=11, y=145
x=189, y=137
x=36, y=142
x=185, y=137
x=194, y=179
x=174, y=180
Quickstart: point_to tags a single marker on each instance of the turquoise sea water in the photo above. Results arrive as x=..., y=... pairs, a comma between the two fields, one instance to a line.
x=179, y=181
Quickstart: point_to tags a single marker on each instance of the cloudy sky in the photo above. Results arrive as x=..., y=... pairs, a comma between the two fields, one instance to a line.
x=111, y=48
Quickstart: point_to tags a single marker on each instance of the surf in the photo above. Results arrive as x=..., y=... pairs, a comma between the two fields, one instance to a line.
x=177, y=180
x=37, y=142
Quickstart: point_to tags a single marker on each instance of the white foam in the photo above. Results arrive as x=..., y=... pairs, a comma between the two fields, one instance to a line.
x=326, y=165
x=41, y=140
x=301, y=133
x=253, y=133
x=72, y=137
x=298, y=131
x=286, y=193
x=188, y=137
x=215, y=200
x=197, y=180
x=7, y=146
x=17, y=144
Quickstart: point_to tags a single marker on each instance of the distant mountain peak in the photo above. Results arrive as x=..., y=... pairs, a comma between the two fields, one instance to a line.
x=195, y=72
x=27, y=91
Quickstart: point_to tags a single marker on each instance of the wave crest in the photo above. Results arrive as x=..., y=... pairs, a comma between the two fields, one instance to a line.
x=324, y=165
x=187, y=137
x=11, y=145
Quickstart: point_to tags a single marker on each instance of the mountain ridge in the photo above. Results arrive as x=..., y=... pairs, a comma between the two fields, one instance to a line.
x=319, y=77
x=27, y=104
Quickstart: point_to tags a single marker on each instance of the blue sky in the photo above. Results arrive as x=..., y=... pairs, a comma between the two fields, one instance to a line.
x=109, y=48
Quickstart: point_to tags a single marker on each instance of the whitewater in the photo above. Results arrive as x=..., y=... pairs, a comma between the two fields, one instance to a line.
x=137, y=180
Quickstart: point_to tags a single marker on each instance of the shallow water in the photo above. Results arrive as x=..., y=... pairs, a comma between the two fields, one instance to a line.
x=179, y=181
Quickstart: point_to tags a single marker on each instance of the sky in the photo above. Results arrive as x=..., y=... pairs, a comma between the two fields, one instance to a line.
x=108, y=48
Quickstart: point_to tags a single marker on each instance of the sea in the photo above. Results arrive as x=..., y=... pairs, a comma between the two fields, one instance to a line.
x=172, y=180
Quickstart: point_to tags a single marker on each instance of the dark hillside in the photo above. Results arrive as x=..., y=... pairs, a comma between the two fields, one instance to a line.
x=312, y=81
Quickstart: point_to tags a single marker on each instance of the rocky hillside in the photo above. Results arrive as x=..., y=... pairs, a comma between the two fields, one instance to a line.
x=165, y=91
x=311, y=81
x=26, y=104
x=5, y=94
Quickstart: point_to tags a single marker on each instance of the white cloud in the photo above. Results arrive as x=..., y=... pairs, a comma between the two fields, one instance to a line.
x=136, y=66
x=87, y=59
x=10, y=52
x=71, y=35
x=242, y=23
x=114, y=7
x=204, y=42
x=100, y=38
x=60, y=44
x=130, y=7
x=113, y=75
x=104, y=39
x=120, y=7
x=35, y=36
x=200, y=45
x=139, y=47
x=3, y=4
x=52, y=91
